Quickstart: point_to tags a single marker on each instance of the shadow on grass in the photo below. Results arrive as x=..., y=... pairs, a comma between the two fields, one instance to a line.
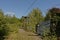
x=32, y=35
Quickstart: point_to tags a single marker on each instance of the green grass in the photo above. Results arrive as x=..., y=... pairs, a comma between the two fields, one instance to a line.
x=50, y=38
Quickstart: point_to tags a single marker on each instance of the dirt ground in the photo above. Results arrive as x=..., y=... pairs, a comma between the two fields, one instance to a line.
x=23, y=35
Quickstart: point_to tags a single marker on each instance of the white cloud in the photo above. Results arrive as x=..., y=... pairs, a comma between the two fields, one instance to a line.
x=9, y=13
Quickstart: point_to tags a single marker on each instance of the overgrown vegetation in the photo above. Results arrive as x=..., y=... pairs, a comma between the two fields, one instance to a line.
x=7, y=24
x=10, y=23
x=54, y=16
x=29, y=22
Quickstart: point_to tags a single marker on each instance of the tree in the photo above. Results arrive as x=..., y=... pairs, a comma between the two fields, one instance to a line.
x=34, y=17
x=47, y=17
x=54, y=16
x=3, y=26
x=8, y=24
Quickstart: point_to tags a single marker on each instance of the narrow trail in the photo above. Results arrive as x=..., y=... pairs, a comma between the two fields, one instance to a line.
x=28, y=35
x=24, y=35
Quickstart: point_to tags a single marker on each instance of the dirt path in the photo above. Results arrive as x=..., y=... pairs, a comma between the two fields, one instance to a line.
x=23, y=35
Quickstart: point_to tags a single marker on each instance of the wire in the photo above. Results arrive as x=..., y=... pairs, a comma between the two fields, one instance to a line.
x=54, y=5
x=30, y=6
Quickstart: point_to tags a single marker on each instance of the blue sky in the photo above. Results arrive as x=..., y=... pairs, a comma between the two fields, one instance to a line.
x=19, y=7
